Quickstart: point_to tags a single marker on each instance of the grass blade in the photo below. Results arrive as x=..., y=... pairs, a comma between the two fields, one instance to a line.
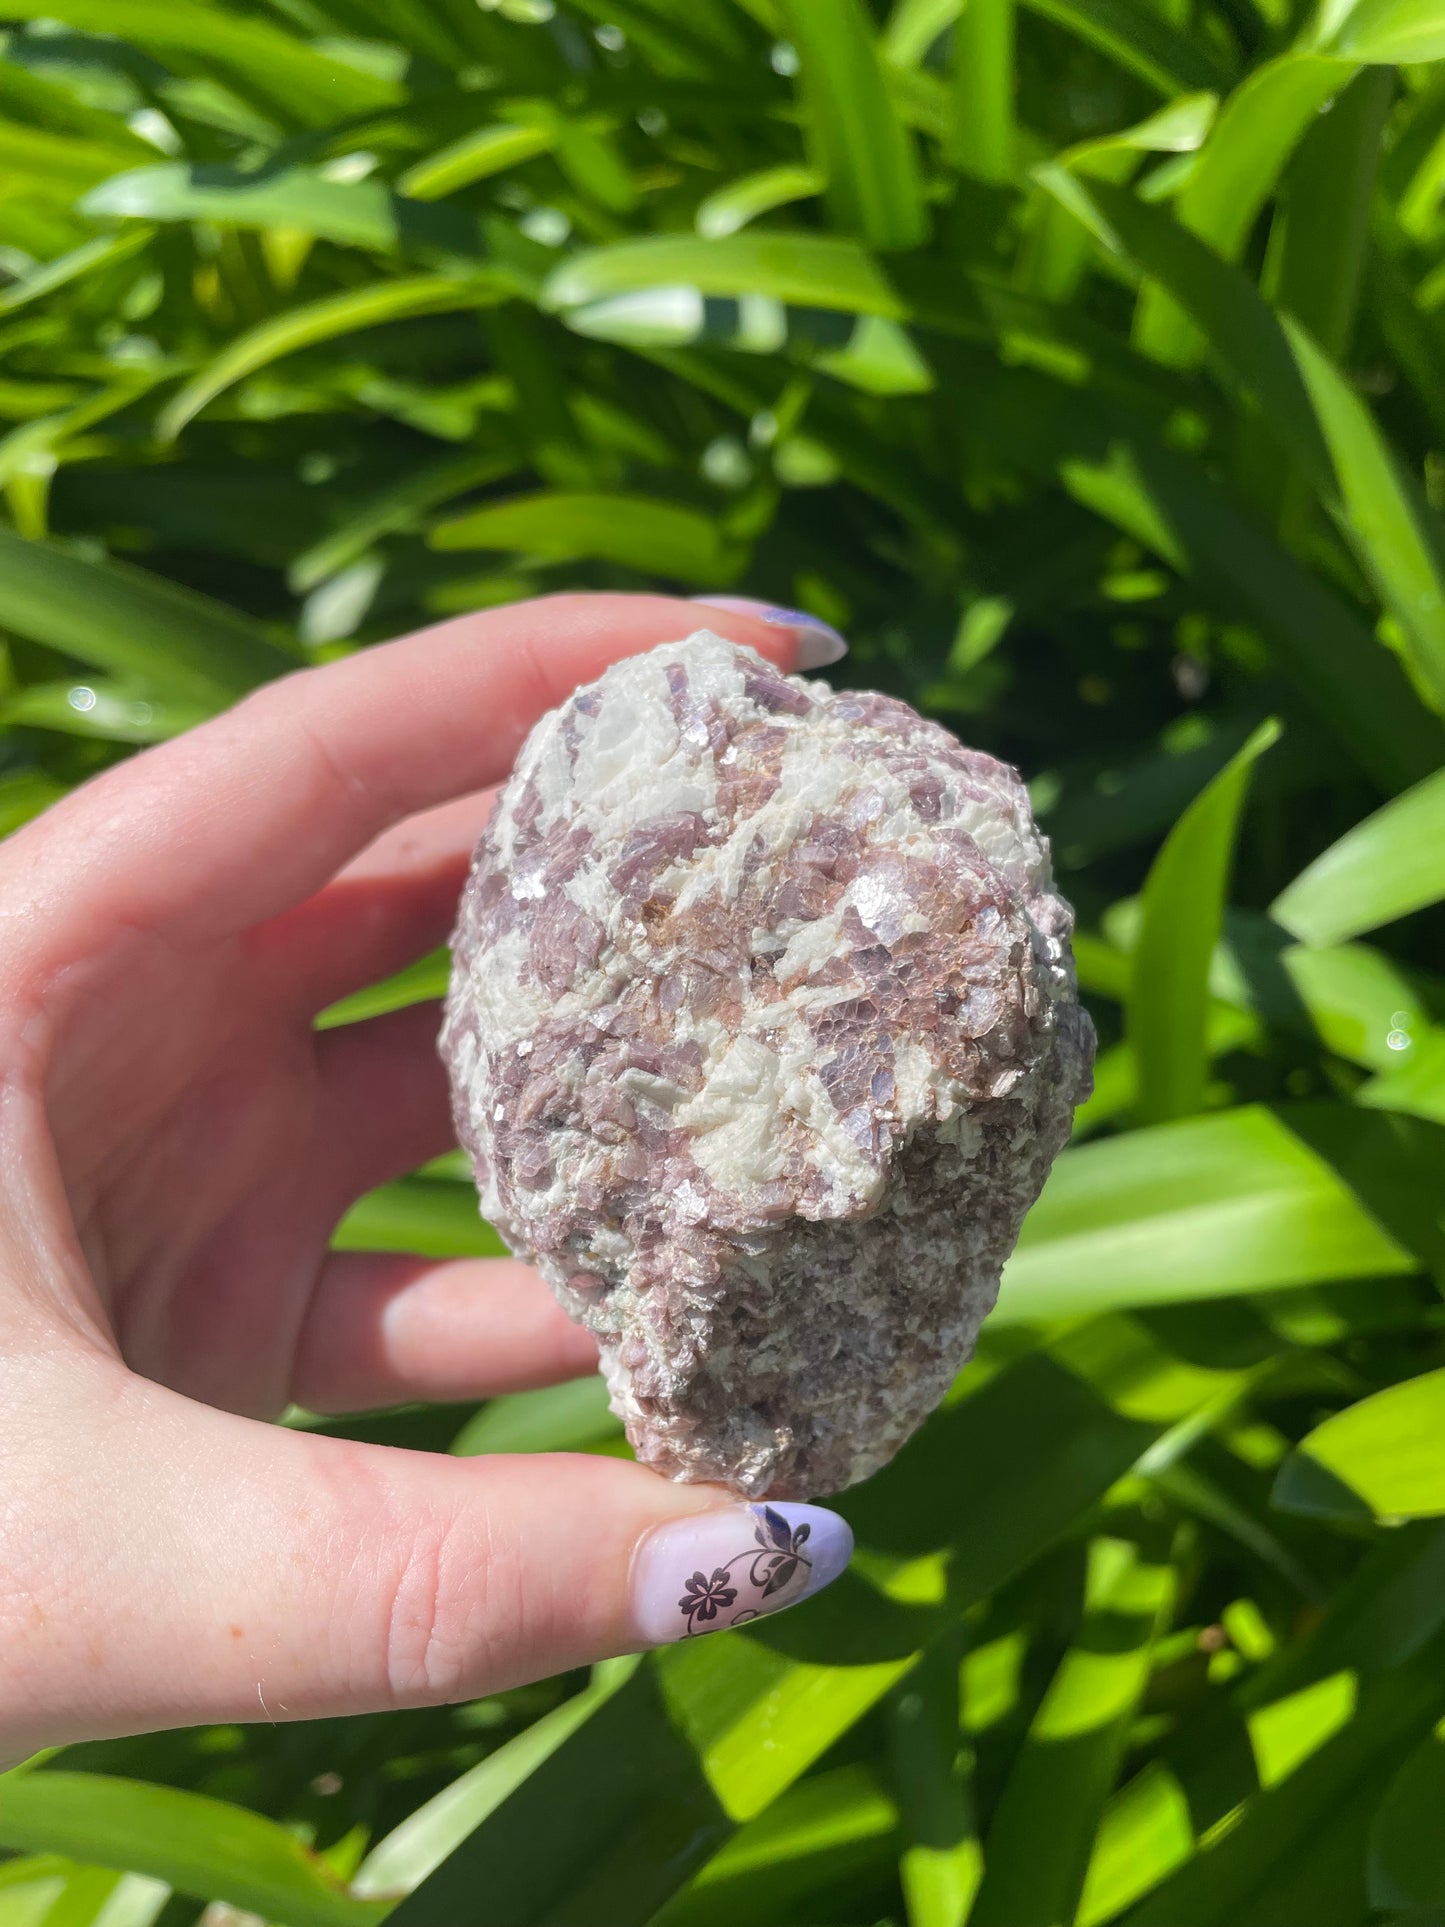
x=858, y=144
x=659, y=538
x=1183, y=907
x=1216, y=1206
x=1257, y=130
x=1383, y=1457
x=134, y=624
x=1387, y=866
x=201, y=1846
x=981, y=139
x=1067, y=1766
x=328, y=319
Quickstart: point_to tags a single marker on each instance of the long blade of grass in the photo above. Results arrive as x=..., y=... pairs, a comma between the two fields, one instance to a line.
x=857, y=142
x=200, y=1846
x=1387, y=866
x=122, y=619
x=1067, y=1766
x=1257, y=130
x=1217, y=1206
x=1379, y=508
x=329, y=319
x=1183, y=907
x=982, y=137
x=312, y=86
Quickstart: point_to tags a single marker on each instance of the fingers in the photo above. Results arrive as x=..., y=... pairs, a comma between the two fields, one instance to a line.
x=240, y=820
x=387, y=907
x=384, y=1106
x=384, y=1329
x=306, y=1577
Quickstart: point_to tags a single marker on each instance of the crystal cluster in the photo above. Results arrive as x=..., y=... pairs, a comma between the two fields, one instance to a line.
x=763, y=1034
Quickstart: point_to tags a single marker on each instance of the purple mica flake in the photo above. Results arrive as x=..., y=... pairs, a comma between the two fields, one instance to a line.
x=763, y=1034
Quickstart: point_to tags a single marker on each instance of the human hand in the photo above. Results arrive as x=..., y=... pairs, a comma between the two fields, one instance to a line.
x=178, y=1143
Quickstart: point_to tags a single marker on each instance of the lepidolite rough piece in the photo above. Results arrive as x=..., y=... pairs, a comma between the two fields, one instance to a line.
x=763, y=1034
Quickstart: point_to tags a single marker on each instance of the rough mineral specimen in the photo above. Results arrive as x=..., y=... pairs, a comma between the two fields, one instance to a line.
x=763, y=1034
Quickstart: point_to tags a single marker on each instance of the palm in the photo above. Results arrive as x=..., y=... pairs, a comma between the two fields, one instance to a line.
x=209, y=1138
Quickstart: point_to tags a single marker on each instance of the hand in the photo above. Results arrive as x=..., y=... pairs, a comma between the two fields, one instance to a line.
x=178, y=1144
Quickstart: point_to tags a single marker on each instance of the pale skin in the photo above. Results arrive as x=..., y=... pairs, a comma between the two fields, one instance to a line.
x=178, y=1143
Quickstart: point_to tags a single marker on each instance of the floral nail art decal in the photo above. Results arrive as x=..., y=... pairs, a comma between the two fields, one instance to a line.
x=721, y=1568
x=767, y=1567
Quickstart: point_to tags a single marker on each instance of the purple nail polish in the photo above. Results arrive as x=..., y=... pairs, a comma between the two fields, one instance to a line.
x=818, y=643
x=720, y=1569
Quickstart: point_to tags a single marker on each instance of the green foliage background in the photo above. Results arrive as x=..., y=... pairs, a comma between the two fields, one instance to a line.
x=1085, y=362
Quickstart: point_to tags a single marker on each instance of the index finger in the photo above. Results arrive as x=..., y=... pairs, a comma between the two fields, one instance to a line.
x=245, y=816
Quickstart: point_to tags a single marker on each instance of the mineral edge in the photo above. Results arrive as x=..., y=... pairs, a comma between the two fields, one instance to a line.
x=763, y=1034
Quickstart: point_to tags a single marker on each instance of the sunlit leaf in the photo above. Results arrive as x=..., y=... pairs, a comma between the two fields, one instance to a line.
x=1183, y=903
x=1385, y=867
x=1385, y=1456
x=659, y=537
x=201, y=1846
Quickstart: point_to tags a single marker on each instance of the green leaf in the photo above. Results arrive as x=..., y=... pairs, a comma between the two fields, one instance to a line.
x=1145, y=1833
x=815, y=270
x=730, y=208
x=823, y=1836
x=1317, y=258
x=416, y=1214
x=418, y=983
x=1394, y=532
x=708, y=1734
x=476, y=157
x=560, y=1418
x=110, y=711
x=1141, y=41
x=1310, y=408
x=1418, y=1085
x=1239, y=1202
x=1407, y=1841
x=363, y=214
x=942, y=1859
x=327, y=320
x=398, y=507
x=1183, y=904
x=264, y=62
x=131, y=623
x=659, y=538
x=982, y=137
x=202, y=1846
x=60, y=164
x=1257, y=130
x=1388, y=865
x=1384, y=1456
x=405, y=1857
x=1067, y=1766
x=89, y=258
x=1387, y=31
x=857, y=142
x=1296, y=1852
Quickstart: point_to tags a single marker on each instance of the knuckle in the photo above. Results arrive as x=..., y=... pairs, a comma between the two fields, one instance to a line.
x=456, y=1600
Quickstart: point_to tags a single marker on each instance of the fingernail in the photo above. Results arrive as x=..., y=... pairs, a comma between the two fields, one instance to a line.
x=818, y=644
x=720, y=1569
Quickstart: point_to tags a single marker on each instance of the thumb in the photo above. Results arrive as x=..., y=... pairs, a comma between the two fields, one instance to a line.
x=231, y=1571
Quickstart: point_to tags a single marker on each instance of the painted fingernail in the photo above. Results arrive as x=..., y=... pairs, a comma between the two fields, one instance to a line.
x=720, y=1569
x=818, y=644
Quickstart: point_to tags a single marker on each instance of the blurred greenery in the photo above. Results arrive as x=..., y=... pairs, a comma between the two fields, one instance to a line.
x=1085, y=361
